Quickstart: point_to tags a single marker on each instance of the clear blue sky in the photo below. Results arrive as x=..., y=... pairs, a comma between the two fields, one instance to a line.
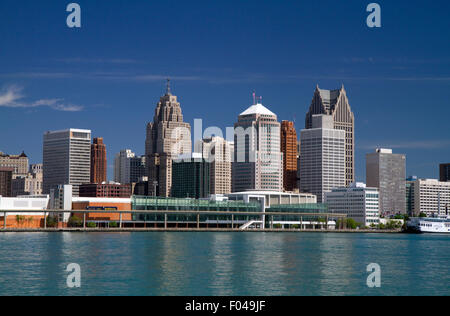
x=109, y=75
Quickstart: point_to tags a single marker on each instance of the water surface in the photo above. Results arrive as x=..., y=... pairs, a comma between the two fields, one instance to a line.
x=193, y=263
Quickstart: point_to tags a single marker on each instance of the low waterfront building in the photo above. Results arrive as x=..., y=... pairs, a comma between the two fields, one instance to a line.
x=358, y=202
x=106, y=190
x=429, y=196
x=222, y=212
x=16, y=218
x=104, y=205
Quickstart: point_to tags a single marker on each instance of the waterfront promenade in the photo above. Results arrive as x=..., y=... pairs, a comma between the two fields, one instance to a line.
x=236, y=230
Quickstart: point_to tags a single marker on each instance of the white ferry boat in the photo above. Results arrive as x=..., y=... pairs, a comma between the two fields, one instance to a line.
x=421, y=225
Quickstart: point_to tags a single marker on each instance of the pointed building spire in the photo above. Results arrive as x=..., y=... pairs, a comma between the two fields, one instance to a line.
x=168, y=92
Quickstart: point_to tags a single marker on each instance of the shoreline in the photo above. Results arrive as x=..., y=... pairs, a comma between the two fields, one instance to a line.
x=209, y=230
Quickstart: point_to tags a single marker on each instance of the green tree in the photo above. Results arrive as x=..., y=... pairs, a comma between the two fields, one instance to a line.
x=352, y=224
x=75, y=221
x=51, y=222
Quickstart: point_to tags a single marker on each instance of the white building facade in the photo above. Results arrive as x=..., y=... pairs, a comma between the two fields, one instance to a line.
x=258, y=161
x=430, y=196
x=66, y=159
x=322, y=157
x=358, y=202
x=219, y=152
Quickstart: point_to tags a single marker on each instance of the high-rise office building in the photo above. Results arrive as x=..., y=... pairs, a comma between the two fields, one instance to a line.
x=444, y=172
x=357, y=201
x=6, y=175
x=387, y=172
x=258, y=161
x=167, y=138
x=289, y=149
x=336, y=104
x=129, y=168
x=19, y=163
x=67, y=159
x=191, y=177
x=322, y=159
x=98, y=161
x=219, y=152
x=429, y=196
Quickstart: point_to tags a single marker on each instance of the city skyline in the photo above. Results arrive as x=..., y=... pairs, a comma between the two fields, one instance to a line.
x=82, y=75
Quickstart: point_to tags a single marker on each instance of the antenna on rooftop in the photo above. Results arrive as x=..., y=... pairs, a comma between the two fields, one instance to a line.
x=254, y=97
x=168, y=92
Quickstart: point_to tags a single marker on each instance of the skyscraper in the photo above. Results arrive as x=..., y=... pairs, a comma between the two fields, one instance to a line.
x=387, y=172
x=335, y=103
x=219, y=153
x=98, y=161
x=258, y=161
x=167, y=138
x=191, y=177
x=322, y=159
x=444, y=172
x=289, y=150
x=67, y=159
x=129, y=168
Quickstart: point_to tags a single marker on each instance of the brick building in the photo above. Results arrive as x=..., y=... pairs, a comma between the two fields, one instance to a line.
x=105, y=190
x=98, y=161
x=289, y=150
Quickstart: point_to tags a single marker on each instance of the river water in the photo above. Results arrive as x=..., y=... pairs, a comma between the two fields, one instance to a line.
x=231, y=264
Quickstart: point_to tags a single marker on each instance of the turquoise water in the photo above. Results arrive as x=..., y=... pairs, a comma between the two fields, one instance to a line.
x=223, y=263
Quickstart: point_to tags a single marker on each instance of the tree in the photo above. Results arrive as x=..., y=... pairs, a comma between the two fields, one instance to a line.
x=422, y=214
x=75, y=221
x=352, y=224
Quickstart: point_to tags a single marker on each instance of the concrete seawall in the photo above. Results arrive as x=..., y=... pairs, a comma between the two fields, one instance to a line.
x=122, y=230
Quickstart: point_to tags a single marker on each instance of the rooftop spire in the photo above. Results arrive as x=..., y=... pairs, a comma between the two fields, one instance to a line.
x=168, y=92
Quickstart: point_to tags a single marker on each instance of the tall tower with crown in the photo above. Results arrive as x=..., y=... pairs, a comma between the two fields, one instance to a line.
x=168, y=136
x=336, y=104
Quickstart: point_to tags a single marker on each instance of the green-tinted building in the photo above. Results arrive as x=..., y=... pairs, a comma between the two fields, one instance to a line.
x=191, y=177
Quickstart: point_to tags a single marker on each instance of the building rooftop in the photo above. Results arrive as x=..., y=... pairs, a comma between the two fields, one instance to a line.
x=257, y=109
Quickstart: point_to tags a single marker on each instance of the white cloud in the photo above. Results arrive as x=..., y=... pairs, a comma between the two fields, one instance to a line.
x=12, y=97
